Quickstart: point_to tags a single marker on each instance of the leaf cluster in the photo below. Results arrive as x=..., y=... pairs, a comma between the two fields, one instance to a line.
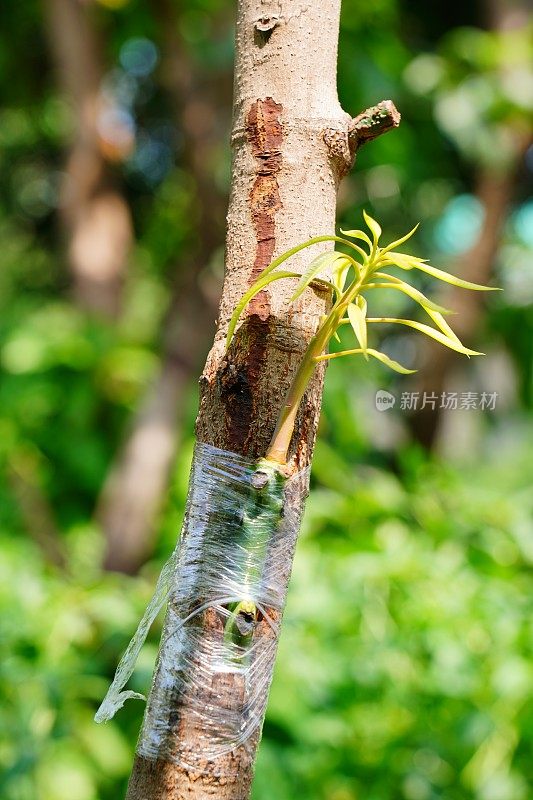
x=353, y=274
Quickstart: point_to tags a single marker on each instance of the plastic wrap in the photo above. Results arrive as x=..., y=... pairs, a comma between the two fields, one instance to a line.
x=226, y=586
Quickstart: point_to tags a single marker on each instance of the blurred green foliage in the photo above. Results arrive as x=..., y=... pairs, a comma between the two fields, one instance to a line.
x=405, y=662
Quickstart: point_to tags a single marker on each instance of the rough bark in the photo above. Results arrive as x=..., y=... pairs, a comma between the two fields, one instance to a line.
x=290, y=148
x=284, y=184
x=93, y=214
x=134, y=490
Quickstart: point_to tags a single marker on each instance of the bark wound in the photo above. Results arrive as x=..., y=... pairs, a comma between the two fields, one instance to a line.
x=240, y=381
x=265, y=135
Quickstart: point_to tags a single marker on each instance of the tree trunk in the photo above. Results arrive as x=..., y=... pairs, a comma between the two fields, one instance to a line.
x=93, y=214
x=290, y=148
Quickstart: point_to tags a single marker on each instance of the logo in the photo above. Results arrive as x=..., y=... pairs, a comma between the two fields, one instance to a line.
x=384, y=400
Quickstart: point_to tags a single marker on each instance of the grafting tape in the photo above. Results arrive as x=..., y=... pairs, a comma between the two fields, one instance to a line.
x=225, y=585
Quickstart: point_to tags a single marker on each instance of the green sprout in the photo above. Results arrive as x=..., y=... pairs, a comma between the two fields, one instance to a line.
x=353, y=275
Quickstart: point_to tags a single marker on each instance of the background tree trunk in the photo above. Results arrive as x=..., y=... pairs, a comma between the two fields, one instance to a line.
x=134, y=490
x=93, y=214
x=284, y=183
x=494, y=192
x=494, y=189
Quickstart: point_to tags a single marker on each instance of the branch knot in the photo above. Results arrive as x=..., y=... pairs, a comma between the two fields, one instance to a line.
x=372, y=122
x=343, y=144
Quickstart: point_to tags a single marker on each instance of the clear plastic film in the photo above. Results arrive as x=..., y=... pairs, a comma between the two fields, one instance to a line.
x=225, y=585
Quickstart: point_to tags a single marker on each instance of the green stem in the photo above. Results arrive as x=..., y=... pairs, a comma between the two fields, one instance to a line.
x=279, y=444
x=281, y=439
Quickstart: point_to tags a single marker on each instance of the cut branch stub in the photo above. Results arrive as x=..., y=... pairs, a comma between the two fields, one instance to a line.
x=343, y=144
x=372, y=123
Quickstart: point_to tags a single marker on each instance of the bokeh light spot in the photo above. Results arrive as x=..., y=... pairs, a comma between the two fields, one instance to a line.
x=138, y=56
x=459, y=226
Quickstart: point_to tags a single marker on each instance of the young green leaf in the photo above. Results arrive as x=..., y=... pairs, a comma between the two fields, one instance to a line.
x=373, y=226
x=340, y=272
x=454, y=280
x=409, y=262
x=314, y=240
x=357, y=318
x=389, y=362
x=261, y=282
x=442, y=324
x=362, y=236
x=432, y=309
x=398, y=242
x=322, y=262
x=401, y=260
x=453, y=344
x=406, y=288
x=293, y=250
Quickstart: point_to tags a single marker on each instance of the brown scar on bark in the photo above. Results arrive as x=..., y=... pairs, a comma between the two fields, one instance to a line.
x=239, y=380
x=240, y=375
x=265, y=134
